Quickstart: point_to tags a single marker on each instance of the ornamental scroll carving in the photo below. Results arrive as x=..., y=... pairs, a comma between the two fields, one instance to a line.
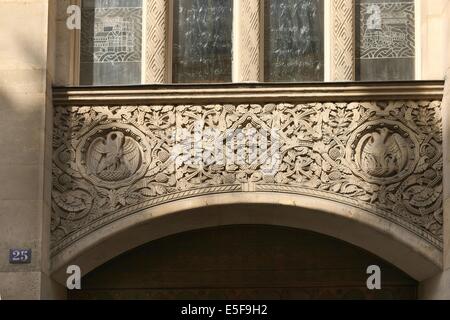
x=382, y=157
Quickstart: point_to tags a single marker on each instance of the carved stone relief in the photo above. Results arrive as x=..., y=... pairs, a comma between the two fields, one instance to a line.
x=382, y=157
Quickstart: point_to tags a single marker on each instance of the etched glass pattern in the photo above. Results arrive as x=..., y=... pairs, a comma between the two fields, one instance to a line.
x=294, y=40
x=111, y=42
x=202, y=41
x=385, y=46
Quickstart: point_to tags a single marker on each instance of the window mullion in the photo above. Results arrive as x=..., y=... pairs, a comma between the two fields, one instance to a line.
x=155, y=46
x=247, y=40
x=342, y=40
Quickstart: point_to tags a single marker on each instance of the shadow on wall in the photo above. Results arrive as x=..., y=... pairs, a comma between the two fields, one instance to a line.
x=25, y=144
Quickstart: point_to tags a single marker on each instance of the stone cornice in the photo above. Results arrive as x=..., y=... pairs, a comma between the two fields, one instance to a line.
x=248, y=93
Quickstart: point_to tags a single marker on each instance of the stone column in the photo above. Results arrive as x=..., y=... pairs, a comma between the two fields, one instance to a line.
x=247, y=44
x=342, y=40
x=155, y=37
x=26, y=73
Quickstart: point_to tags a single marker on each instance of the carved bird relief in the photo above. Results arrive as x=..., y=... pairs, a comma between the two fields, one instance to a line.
x=113, y=158
x=382, y=153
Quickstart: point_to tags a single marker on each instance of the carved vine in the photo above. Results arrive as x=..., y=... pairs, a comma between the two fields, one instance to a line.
x=383, y=157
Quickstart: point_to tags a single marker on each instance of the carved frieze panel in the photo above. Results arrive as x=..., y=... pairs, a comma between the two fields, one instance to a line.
x=382, y=157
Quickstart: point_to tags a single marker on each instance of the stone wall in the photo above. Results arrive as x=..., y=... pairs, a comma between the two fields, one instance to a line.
x=31, y=60
x=25, y=127
x=435, y=35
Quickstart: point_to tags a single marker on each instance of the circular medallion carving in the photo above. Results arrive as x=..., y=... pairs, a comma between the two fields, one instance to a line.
x=113, y=155
x=382, y=152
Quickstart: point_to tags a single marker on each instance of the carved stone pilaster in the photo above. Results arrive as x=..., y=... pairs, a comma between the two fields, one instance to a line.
x=343, y=40
x=247, y=35
x=155, y=47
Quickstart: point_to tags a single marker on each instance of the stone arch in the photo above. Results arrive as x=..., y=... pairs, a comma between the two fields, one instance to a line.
x=388, y=240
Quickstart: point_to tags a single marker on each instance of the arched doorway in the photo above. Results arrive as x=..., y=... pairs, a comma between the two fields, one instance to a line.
x=384, y=239
x=244, y=262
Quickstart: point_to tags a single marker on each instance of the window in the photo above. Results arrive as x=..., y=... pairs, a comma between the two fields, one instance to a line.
x=111, y=37
x=385, y=40
x=294, y=40
x=202, y=41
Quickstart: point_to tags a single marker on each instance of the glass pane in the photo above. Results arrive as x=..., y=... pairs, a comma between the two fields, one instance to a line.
x=385, y=46
x=202, y=41
x=294, y=40
x=111, y=32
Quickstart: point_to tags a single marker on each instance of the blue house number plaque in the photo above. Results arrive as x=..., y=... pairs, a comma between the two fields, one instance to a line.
x=19, y=256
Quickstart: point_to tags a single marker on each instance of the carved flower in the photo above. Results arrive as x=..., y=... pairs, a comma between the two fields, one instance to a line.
x=320, y=147
x=161, y=178
x=163, y=155
x=335, y=153
x=153, y=190
x=335, y=175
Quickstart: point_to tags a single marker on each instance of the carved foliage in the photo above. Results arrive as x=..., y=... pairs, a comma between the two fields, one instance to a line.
x=383, y=157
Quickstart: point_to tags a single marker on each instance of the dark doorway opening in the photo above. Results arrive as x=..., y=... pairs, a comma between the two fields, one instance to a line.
x=244, y=262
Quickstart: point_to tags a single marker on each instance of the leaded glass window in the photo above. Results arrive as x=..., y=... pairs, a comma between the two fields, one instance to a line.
x=385, y=40
x=294, y=40
x=202, y=41
x=111, y=37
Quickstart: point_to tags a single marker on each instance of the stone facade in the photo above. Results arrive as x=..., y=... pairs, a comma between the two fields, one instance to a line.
x=57, y=196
